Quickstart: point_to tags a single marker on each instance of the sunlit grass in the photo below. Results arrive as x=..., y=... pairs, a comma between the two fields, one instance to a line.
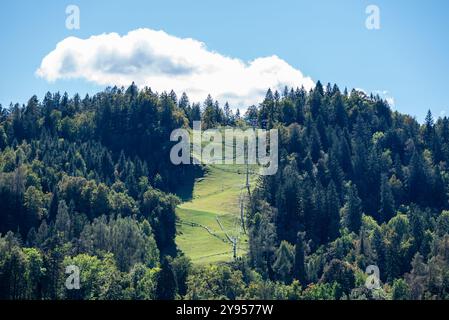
x=215, y=195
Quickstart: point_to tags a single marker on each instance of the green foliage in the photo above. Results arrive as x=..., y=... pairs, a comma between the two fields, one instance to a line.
x=299, y=268
x=400, y=290
x=352, y=211
x=95, y=276
x=125, y=238
x=215, y=282
x=89, y=182
x=342, y=273
x=321, y=291
x=166, y=281
x=283, y=265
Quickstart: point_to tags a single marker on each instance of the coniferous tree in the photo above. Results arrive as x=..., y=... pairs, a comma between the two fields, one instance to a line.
x=353, y=209
x=386, y=200
x=429, y=129
x=333, y=213
x=283, y=265
x=166, y=282
x=299, y=268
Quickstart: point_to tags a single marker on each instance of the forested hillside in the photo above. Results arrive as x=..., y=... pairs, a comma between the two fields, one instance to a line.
x=358, y=185
x=88, y=182
x=85, y=182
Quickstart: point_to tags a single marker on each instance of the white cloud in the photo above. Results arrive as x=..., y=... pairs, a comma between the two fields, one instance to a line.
x=164, y=62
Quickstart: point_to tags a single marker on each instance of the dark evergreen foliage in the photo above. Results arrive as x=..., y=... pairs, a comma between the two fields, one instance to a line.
x=89, y=182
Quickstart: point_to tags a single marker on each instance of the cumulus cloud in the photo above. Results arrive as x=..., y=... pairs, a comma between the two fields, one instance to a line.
x=164, y=62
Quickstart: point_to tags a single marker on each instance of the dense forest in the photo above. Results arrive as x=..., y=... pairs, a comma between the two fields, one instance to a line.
x=88, y=182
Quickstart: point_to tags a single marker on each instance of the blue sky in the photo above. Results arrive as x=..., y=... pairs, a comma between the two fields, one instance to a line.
x=408, y=58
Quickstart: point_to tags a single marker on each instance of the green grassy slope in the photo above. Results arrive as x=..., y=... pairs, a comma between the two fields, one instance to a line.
x=215, y=195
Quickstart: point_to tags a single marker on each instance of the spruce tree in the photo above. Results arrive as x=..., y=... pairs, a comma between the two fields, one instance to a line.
x=166, y=282
x=299, y=268
x=353, y=210
x=386, y=200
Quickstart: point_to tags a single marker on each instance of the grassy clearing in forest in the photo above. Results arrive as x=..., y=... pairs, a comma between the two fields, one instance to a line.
x=215, y=195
